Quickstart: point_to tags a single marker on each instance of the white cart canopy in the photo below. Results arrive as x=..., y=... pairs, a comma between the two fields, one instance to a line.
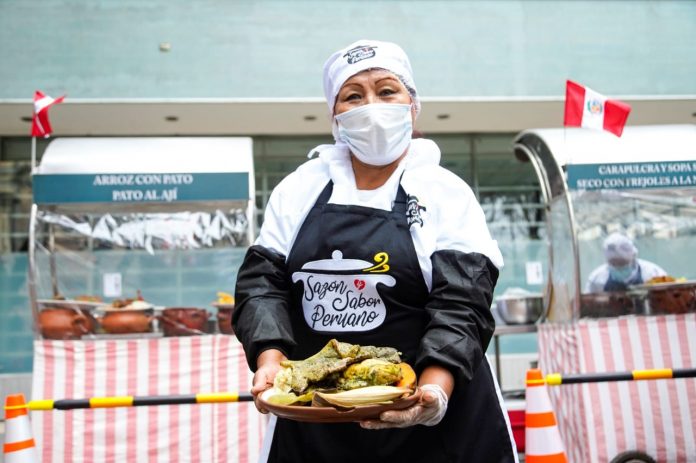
x=644, y=157
x=145, y=170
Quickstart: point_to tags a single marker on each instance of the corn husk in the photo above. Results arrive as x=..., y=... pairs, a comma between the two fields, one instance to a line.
x=279, y=397
x=371, y=395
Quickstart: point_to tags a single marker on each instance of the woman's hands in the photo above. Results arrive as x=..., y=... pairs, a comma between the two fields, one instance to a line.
x=267, y=366
x=429, y=411
x=436, y=384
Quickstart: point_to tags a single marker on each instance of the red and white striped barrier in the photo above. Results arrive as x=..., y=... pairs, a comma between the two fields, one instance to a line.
x=599, y=420
x=172, y=433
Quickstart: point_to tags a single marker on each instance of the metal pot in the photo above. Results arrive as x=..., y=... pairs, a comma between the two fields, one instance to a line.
x=520, y=310
x=609, y=304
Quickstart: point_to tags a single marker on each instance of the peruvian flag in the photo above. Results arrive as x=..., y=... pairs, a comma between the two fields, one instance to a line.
x=586, y=108
x=40, y=127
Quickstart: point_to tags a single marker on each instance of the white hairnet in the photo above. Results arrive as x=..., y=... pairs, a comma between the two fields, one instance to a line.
x=362, y=55
x=619, y=246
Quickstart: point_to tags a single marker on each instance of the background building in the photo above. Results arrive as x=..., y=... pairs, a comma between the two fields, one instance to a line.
x=485, y=70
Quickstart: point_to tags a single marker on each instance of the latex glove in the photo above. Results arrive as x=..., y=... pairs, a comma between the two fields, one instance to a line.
x=429, y=411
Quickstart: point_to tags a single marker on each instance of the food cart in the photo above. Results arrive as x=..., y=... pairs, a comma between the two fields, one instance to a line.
x=642, y=184
x=131, y=240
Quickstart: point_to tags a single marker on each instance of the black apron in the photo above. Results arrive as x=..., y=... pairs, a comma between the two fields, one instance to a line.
x=615, y=285
x=348, y=304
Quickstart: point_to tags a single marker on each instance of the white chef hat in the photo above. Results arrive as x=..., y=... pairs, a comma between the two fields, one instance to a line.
x=619, y=246
x=362, y=55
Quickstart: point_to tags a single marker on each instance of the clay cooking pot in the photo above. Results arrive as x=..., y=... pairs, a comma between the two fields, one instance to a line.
x=65, y=323
x=606, y=304
x=122, y=321
x=672, y=299
x=224, y=318
x=184, y=321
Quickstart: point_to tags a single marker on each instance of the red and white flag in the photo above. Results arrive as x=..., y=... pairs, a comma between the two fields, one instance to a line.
x=586, y=108
x=40, y=126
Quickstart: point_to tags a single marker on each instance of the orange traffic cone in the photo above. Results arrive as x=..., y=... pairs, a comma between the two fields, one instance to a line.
x=19, y=443
x=543, y=440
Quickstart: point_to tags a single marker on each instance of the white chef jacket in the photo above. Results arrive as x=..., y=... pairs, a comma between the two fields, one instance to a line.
x=452, y=218
x=599, y=276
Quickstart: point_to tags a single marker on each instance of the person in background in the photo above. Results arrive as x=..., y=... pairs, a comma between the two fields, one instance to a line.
x=623, y=268
x=379, y=198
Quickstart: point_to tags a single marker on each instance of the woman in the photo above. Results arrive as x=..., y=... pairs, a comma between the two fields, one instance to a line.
x=623, y=268
x=378, y=202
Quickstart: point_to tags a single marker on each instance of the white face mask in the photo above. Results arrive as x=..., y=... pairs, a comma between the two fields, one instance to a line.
x=377, y=134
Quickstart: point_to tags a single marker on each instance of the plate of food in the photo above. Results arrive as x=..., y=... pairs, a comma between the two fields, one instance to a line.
x=122, y=305
x=342, y=383
x=225, y=301
x=665, y=282
x=132, y=305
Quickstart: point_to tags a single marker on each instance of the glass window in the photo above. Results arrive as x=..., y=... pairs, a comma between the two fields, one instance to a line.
x=661, y=225
x=15, y=191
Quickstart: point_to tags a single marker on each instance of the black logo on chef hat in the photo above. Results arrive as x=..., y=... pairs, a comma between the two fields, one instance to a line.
x=359, y=53
x=413, y=211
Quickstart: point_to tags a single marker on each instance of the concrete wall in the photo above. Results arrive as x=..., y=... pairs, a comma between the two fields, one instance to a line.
x=271, y=49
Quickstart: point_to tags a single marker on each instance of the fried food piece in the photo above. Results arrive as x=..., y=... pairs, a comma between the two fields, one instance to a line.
x=334, y=357
x=661, y=279
x=120, y=303
x=370, y=372
x=225, y=298
x=359, y=353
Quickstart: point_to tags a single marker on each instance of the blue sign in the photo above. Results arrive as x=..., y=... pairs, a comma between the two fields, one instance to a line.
x=139, y=188
x=633, y=175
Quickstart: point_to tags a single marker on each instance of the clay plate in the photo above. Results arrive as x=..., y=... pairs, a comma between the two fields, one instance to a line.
x=331, y=415
x=127, y=308
x=70, y=303
x=219, y=305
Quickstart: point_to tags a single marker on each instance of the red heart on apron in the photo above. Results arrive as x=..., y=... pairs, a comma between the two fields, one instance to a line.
x=360, y=284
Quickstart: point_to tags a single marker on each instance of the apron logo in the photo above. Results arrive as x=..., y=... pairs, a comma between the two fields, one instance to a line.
x=413, y=211
x=342, y=294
